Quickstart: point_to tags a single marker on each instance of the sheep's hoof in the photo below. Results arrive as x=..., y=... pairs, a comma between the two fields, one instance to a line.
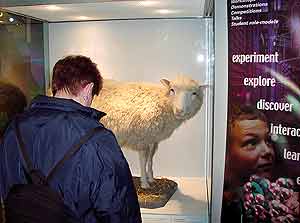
x=150, y=180
x=145, y=185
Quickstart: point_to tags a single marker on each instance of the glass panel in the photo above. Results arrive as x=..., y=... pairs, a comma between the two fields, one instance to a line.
x=209, y=114
x=141, y=50
x=21, y=64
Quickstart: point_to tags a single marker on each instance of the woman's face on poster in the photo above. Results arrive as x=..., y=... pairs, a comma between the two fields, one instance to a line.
x=250, y=150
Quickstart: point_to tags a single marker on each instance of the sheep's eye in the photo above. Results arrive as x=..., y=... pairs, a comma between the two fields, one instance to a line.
x=172, y=91
x=194, y=93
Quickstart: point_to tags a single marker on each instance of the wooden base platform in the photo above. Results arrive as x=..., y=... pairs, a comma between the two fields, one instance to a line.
x=158, y=195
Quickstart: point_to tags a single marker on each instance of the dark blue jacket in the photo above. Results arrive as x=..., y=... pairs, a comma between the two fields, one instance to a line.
x=97, y=176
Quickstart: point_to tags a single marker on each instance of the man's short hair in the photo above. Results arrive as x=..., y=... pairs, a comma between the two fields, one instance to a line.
x=72, y=73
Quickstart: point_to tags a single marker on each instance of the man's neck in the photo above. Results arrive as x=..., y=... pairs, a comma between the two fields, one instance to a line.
x=65, y=95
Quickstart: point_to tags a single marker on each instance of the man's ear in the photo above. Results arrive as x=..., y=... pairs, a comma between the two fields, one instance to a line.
x=89, y=88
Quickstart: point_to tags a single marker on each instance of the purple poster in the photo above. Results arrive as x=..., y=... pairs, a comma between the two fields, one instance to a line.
x=262, y=164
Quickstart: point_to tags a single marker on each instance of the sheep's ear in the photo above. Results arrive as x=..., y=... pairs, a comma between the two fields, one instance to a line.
x=165, y=82
x=203, y=86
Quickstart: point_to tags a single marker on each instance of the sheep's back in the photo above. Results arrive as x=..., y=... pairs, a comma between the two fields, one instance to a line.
x=136, y=113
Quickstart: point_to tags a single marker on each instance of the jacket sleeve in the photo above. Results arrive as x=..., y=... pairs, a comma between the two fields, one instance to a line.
x=113, y=195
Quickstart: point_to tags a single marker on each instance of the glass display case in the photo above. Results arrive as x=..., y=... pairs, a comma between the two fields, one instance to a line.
x=146, y=49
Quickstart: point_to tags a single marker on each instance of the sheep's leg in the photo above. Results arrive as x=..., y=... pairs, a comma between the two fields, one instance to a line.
x=143, y=154
x=152, y=150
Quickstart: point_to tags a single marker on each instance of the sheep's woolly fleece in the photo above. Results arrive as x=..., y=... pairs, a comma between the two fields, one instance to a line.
x=142, y=113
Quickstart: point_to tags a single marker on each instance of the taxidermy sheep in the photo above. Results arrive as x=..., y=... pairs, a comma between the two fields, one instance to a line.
x=143, y=114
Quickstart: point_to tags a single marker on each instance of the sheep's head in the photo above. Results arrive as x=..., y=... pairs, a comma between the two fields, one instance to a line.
x=186, y=96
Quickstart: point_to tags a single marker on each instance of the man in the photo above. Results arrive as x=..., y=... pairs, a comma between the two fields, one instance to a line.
x=96, y=182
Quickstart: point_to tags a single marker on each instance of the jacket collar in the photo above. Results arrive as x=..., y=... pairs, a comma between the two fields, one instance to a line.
x=68, y=105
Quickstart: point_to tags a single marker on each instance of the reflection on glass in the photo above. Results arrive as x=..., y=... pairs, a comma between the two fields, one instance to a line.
x=21, y=63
